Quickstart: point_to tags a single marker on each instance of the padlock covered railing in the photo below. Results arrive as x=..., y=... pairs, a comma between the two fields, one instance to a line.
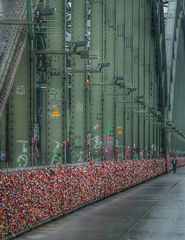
x=32, y=197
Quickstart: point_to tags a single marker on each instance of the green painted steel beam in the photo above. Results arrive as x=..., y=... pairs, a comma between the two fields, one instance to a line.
x=3, y=140
x=50, y=100
x=17, y=22
x=175, y=70
x=84, y=71
x=128, y=71
x=84, y=54
x=19, y=137
x=109, y=114
x=147, y=145
x=96, y=108
x=30, y=16
x=120, y=70
x=136, y=46
x=78, y=103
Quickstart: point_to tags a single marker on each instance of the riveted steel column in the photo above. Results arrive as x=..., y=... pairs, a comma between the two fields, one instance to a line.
x=128, y=11
x=109, y=74
x=120, y=71
x=177, y=86
x=136, y=51
x=4, y=135
x=88, y=90
x=147, y=76
x=152, y=91
x=97, y=106
x=171, y=28
x=141, y=92
x=78, y=83
x=30, y=15
x=55, y=85
x=19, y=116
x=178, y=114
x=136, y=107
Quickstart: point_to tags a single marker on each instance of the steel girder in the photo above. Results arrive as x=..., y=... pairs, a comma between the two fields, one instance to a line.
x=15, y=66
x=100, y=113
x=13, y=41
x=51, y=87
x=78, y=104
x=19, y=118
x=134, y=46
x=175, y=43
x=96, y=92
x=3, y=132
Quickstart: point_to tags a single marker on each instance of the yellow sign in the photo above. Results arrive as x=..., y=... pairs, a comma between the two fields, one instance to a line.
x=55, y=113
x=120, y=132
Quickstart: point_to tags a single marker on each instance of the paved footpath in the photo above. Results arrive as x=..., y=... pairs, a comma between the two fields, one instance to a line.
x=154, y=210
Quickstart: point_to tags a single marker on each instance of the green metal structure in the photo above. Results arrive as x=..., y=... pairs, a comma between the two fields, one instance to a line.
x=92, y=79
x=175, y=68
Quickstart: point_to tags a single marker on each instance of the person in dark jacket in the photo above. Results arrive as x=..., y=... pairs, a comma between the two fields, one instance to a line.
x=174, y=164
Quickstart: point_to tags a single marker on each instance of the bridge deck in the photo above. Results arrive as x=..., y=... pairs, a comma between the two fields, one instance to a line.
x=153, y=210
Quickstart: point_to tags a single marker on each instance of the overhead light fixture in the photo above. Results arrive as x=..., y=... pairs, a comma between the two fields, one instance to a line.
x=47, y=11
x=79, y=44
x=131, y=89
x=119, y=80
x=89, y=54
x=42, y=12
x=103, y=65
x=139, y=98
x=88, y=79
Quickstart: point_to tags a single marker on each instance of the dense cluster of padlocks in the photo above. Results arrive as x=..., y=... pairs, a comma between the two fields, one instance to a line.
x=32, y=196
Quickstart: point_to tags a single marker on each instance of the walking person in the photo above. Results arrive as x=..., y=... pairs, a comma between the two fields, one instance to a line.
x=174, y=164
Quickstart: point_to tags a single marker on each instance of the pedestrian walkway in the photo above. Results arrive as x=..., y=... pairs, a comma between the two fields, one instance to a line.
x=154, y=210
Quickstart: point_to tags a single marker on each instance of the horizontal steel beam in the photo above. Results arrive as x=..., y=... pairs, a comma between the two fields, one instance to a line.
x=84, y=54
x=17, y=22
x=85, y=71
x=101, y=84
x=55, y=51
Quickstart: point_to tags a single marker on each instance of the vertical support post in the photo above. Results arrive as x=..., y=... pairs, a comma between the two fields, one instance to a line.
x=19, y=116
x=4, y=135
x=78, y=83
x=30, y=17
x=147, y=37
x=128, y=70
x=141, y=92
x=152, y=92
x=109, y=74
x=135, y=81
x=97, y=111
x=120, y=71
x=52, y=130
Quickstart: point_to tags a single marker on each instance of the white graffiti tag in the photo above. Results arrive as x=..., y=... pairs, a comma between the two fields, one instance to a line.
x=80, y=156
x=96, y=127
x=56, y=156
x=22, y=159
x=97, y=143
